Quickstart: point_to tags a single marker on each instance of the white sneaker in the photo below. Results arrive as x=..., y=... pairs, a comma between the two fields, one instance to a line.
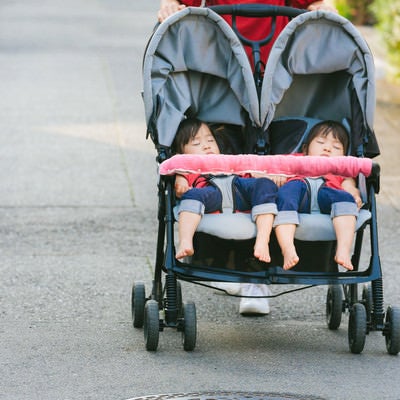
x=252, y=306
x=231, y=288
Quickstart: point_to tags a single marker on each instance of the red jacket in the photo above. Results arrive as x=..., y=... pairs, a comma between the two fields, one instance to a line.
x=331, y=181
x=256, y=28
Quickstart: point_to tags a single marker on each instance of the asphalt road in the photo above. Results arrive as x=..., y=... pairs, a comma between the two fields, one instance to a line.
x=78, y=224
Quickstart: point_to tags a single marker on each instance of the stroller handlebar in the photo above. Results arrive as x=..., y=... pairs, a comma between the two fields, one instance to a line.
x=257, y=10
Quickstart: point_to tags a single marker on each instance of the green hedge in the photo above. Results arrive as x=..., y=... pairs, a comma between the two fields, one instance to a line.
x=387, y=14
x=357, y=11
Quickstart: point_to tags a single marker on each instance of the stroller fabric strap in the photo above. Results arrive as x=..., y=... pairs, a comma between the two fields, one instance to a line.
x=287, y=165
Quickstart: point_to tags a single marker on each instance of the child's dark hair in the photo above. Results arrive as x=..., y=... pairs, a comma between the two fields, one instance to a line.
x=323, y=128
x=189, y=127
x=186, y=131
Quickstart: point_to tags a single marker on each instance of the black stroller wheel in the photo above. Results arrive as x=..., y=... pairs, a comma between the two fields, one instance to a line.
x=151, y=325
x=138, y=303
x=357, y=328
x=367, y=300
x=189, y=332
x=334, y=306
x=392, y=330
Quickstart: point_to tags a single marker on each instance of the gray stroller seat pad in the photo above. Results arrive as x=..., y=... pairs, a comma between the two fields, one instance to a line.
x=239, y=226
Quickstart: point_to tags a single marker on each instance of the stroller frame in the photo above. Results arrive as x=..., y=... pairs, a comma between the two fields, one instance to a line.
x=164, y=308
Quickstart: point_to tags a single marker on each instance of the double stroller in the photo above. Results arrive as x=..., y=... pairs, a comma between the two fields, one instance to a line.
x=319, y=68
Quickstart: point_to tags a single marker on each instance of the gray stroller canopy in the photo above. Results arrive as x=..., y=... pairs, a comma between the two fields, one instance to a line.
x=319, y=67
x=195, y=65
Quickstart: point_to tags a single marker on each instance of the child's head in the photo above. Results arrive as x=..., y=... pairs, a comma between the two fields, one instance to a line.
x=327, y=138
x=195, y=137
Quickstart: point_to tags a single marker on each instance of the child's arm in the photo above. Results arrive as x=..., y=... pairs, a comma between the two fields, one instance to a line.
x=181, y=185
x=279, y=180
x=349, y=185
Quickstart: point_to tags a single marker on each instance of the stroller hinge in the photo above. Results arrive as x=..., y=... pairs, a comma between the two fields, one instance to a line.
x=261, y=147
x=163, y=154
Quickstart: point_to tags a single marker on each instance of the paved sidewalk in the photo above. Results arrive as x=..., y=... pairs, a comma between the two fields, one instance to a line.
x=78, y=214
x=387, y=119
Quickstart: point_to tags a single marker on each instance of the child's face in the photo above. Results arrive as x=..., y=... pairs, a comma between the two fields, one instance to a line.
x=203, y=143
x=326, y=146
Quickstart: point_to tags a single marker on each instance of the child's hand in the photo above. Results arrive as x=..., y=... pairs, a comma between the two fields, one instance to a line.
x=357, y=198
x=181, y=185
x=279, y=180
x=349, y=185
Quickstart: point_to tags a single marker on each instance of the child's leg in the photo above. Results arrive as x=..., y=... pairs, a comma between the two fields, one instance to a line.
x=344, y=226
x=188, y=223
x=343, y=211
x=285, y=236
x=193, y=204
x=264, y=227
x=289, y=202
x=261, y=194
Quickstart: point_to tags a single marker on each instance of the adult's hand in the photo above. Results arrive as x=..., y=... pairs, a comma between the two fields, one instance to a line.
x=167, y=8
x=322, y=5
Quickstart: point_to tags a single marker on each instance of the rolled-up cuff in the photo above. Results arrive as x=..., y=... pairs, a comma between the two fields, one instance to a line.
x=266, y=208
x=344, y=208
x=193, y=206
x=287, y=217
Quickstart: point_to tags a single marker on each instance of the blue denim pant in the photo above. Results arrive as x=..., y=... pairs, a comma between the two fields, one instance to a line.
x=255, y=194
x=294, y=197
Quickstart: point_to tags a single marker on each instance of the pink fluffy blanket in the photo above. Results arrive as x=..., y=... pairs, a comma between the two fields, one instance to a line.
x=287, y=165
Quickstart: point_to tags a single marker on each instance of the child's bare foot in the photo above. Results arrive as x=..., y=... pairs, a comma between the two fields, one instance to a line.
x=184, y=250
x=290, y=257
x=344, y=261
x=261, y=251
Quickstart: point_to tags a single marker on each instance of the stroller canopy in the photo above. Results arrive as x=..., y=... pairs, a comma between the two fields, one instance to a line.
x=321, y=67
x=194, y=65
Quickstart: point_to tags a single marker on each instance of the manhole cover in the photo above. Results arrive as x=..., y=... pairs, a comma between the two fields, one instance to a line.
x=228, y=396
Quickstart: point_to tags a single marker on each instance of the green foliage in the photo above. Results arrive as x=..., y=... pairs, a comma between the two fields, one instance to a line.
x=343, y=8
x=356, y=11
x=385, y=15
x=388, y=16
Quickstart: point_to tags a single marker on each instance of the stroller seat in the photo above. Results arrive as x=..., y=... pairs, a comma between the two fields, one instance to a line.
x=239, y=226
